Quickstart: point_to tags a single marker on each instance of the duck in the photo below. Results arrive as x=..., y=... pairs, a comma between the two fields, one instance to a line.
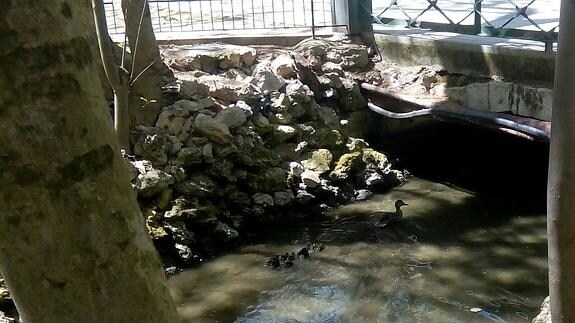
x=291, y=257
x=273, y=262
x=303, y=253
x=386, y=218
x=284, y=257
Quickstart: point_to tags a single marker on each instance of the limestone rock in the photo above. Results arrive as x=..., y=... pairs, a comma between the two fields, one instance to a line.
x=545, y=315
x=347, y=163
x=209, y=57
x=283, y=198
x=319, y=161
x=193, y=90
x=212, y=128
x=230, y=90
x=283, y=66
x=153, y=182
x=283, y=118
x=197, y=185
x=310, y=179
x=315, y=47
x=232, y=117
x=279, y=102
x=189, y=156
x=282, y=133
x=267, y=82
x=226, y=232
x=264, y=200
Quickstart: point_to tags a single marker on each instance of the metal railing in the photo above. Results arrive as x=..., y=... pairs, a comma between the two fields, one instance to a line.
x=218, y=15
x=524, y=19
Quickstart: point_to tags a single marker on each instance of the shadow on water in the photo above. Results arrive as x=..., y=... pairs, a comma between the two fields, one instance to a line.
x=453, y=251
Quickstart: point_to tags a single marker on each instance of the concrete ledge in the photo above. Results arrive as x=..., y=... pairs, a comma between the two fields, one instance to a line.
x=506, y=59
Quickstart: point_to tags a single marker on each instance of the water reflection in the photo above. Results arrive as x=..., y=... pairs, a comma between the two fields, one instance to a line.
x=452, y=253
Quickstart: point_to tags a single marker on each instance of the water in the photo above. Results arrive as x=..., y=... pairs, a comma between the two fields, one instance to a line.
x=452, y=252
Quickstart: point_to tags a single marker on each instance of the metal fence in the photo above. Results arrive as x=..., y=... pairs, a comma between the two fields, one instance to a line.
x=216, y=15
x=526, y=19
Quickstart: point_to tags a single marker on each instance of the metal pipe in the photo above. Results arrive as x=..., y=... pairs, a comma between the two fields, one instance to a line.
x=312, y=20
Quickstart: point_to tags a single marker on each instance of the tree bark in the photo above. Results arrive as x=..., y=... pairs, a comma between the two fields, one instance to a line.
x=561, y=186
x=145, y=51
x=73, y=246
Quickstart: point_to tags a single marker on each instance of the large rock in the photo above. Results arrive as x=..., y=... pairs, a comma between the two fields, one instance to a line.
x=228, y=234
x=153, y=182
x=283, y=198
x=545, y=314
x=212, y=128
x=189, y=156
x=230, y=90
x=191, y=89
x=346, y=165
x=197, y=185
x=315, y=47
x=267, y=82
x=232, y=117
x=319, y=161
x=263, y=199
x=351, y=98
x=282, y=133
x=283, y=66
x=209, y=57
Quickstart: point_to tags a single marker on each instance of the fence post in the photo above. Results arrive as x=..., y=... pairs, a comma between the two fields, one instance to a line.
x=477, y=16
x=355, y=14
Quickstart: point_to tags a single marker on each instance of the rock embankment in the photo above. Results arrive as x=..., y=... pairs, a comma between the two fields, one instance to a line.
x=251, y=139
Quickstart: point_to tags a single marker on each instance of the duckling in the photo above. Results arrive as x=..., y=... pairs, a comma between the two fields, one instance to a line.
x=273, y=262
x=291, y=257
x=386, y=218
x=317, y=247
x=288, y=264
x=303, y=253
x=284, y=257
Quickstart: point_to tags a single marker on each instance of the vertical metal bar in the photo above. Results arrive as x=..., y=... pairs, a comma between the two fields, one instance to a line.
x=477, y=16
x=273, y=13
x=233, y=15
x=312, y=20
x=114, y=15
x=191, y=15
x=243, y=16
x=323, y=12
x=304, y=14
x=253, y=15
x=222, y=11
x=211, y=13
x=201, y=15
x=264, y=14
x=293, y=11
x=283, y=13
x=159, y=18
x=181, y=20
x=170, y=16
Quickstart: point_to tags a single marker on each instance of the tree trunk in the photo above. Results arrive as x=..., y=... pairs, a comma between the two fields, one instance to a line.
x=73, y=246
x=561, y=187
x=145, y=51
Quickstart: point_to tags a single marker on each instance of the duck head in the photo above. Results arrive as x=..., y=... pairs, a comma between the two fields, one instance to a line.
x=399, y=203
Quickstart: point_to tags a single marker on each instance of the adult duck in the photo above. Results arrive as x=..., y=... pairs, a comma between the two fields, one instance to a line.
x=386, y=218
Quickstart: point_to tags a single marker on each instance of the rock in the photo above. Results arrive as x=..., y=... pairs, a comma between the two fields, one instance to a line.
x=184, y=253
x=177, y=171
x=346, y=165
x=296, y=169
x=362, y=195
x=152, y=147
x=283, y=66
x=207, y=153
x=193, y=90
x=327, y=117
x=310, y=179
x=545, y=315
x=270, y=180
x=304, y=198
x=172, y=119
x=162, y=200
x=196, y=185
x=354, y=57
x=327, y=138
x=319, y=161
x=234, y=74
x=375, y=158
x=226, y=232
x=268, y=82
x=374, y=179
x=212, y=128
x=264, y=200
x=155, y=230
x=356, y=144
x=282, y=133
x=330, y=67
x=232, y=117
x=298, y=92
x=283, y=198
x=287, y=151
x=209, y=57
x=222, y=169
x=230, y=90
x=238, y=199
x=189, y=156
x=313, y=47
x=222, y=151
x=282, y=118
x=262, y=123
x=279, y=102
x=153, y=182
x=351, y=98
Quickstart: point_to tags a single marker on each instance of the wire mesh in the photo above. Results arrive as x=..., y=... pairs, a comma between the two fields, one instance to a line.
x=527, y=19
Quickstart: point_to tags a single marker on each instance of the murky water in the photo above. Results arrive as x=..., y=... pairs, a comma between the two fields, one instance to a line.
x=452, y=252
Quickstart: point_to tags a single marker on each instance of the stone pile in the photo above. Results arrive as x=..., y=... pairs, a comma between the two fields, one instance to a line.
x=248, y=142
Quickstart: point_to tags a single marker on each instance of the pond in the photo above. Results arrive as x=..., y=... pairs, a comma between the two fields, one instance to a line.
x=454, y=257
